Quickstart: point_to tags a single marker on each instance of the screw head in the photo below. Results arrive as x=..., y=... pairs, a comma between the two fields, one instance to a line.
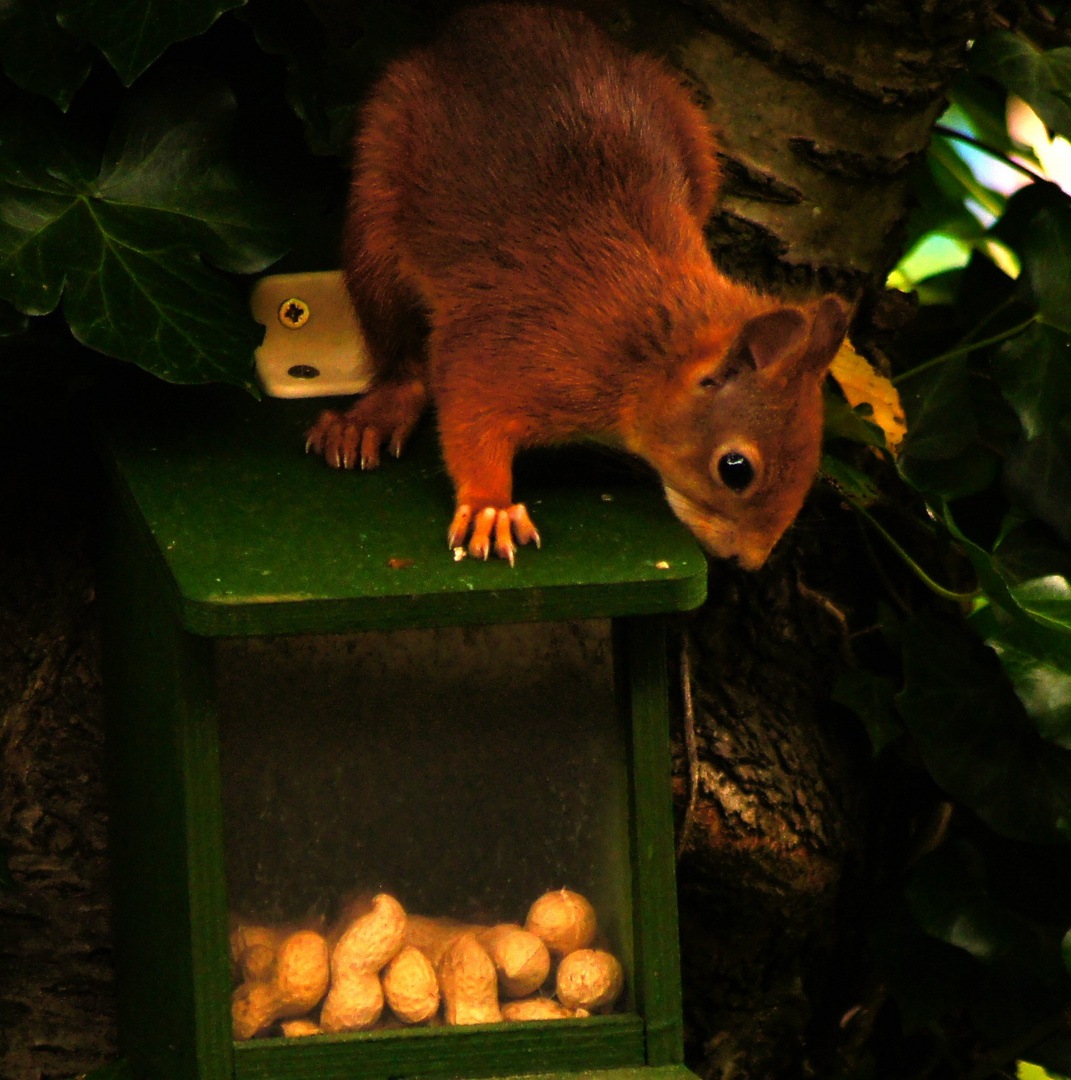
x=294, y=313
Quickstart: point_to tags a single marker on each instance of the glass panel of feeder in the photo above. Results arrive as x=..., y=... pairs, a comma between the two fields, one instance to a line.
x=466, y=772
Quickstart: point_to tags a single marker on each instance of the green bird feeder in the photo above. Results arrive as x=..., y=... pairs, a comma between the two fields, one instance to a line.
x=310, y=699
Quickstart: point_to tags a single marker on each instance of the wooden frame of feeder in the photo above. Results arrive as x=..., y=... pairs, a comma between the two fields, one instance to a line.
x=209, y=491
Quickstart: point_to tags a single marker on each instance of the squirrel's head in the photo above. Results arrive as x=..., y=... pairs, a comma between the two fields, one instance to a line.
x=736, y=435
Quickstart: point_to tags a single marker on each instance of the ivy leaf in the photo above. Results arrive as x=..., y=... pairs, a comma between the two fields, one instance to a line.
x=871, y=697
x=171, y=153
x=975, y=737
x=1037, y=226
x=1046, y=254
x=1047, y=598
x=1037, y=475
x=956, y=179
x=38, y=55
x=1041, y=79
x=942, y=453
x=984, y=106
x=126, y=256
x=116, y=1070
x=949, y=898
x=844, y=422
x=849, y=481
x=941, y=421
x=333, y=56
x=134, y=33
x=12, y=321
x=1033, y=370
x=1037, y=660
x=1027, y=549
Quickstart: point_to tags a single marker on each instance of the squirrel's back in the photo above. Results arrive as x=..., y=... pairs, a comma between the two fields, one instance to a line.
x=527, y=123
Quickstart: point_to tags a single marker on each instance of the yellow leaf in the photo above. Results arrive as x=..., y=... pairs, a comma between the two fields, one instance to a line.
x=861, y=383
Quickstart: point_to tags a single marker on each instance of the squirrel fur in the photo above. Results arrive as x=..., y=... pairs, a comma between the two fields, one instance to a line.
x=524, y=246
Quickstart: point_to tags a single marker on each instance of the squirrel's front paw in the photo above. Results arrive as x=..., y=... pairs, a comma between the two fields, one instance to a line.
x=492, y=527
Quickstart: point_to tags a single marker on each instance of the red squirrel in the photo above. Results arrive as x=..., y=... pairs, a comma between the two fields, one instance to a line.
x=524, y=245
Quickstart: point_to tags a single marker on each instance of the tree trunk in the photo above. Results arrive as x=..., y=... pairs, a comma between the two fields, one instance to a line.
x=57, y=1016
x=822, y=107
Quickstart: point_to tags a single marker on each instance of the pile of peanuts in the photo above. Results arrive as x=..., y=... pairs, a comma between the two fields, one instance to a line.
x=378, y=956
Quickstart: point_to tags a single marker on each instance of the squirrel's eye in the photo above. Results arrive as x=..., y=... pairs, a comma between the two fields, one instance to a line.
x=735, y=471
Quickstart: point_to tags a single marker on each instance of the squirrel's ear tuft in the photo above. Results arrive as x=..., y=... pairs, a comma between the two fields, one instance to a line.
x=828, y=328
x=771, y=338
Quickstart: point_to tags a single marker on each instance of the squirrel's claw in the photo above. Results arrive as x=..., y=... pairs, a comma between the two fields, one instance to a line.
x=492, y=529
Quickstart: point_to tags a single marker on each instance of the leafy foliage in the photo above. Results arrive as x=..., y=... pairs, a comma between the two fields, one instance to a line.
x=134, y=33
x=38, y=54
x=980, y=668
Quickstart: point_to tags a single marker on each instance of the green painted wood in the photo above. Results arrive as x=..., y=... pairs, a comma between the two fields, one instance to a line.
x=262, y=539
x=169, y=904
x=662, y=1072
x=641, y=653
x=476, y=1050
x=220, y=528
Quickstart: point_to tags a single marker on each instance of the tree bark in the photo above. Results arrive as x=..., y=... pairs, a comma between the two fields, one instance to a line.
x=57, y=1016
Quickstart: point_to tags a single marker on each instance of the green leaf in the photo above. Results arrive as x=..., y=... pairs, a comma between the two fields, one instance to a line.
x=955, y=177
x=134, y=33
x=1041, y=79
x=970, y=471
x=12, y=321
x=983, y=105
x=170, y=152
x=848, y=480
x=37, y=54
x=333, y=55
x=975, y=737
x=1034, y=373
x=1036, y=225
x=1027, y=549
x=871, y=697
x=124, y=248
x=949, y=898
x=1037, y=660
x=985, y=566
x=117, y=1070
x=940, y=420
x=1047, y=598
x=1037, y=475
x=844, y=422
x=928, y=978
x=939, y=207
x=1046, y=255
x=942, y=453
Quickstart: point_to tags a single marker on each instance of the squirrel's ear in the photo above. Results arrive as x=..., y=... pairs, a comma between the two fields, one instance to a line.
x=771, y=337
x=828, y=327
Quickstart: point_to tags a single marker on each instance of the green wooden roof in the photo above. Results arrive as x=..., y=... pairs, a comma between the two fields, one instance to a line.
x=261, y=539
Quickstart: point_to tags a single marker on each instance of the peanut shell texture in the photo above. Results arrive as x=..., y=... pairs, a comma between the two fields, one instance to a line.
x=564, y=920
x=589, y=979
x=411, y=986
